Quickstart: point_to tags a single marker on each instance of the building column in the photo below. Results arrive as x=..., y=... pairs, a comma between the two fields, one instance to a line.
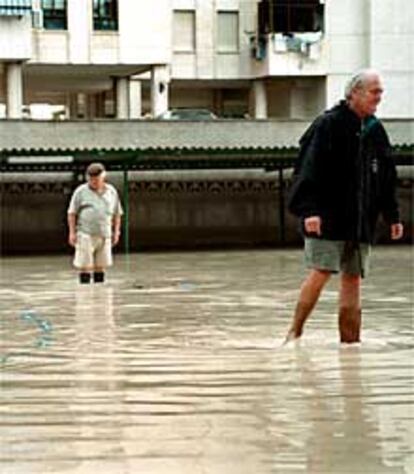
x=218, y=102
x=135, y=99
x=72, y=105
x=122, y=98
x=14, y=86
x=100, y=104
x=260, y=99
x=159, y=90
x=298, y=99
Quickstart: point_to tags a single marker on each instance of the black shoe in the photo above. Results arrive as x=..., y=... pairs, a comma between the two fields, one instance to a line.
x=98, y=277
x=84, y=277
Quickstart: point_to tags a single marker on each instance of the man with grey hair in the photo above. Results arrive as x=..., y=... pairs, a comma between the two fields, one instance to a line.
x=94, y=221
x=344, y=179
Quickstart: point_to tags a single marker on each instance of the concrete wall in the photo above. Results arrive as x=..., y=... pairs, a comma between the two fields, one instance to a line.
x=32, y=218
x=167, y=210
x=372, y=34
x=15, y=38
x=295, y=98
x=392, y=52
x=347, y=36
x=145, y=31
x=204, y=212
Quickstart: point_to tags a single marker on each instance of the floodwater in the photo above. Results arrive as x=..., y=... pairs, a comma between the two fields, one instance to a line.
x=175, y=366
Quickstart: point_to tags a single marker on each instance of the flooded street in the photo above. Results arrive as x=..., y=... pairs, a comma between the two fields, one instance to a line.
x=175, y=366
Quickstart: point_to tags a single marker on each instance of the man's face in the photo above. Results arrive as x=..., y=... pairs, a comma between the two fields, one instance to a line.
x=96, y=182
x=366, y=99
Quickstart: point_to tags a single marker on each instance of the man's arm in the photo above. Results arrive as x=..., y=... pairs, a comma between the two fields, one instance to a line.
x=303, y=197
x=116, y=232
x=389, y=204
x=72, y=228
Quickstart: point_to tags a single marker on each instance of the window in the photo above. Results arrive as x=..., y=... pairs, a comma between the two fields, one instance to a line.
x=184, y=31
x=290, y=16
x=15, y=7
x=105, y=15
x=227, y=32
x=54, y=14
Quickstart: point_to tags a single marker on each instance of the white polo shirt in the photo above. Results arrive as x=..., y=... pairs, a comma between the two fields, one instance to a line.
x=95, y=211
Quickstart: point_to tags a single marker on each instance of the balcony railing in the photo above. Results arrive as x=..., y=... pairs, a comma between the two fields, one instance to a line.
x=15, y=7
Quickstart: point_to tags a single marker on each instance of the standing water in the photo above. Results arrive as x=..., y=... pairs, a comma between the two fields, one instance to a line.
x=175, y=366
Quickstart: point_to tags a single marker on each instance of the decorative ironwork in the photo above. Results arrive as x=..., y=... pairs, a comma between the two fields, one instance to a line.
x=35, y=188
x=234, y=186
x=229, y=186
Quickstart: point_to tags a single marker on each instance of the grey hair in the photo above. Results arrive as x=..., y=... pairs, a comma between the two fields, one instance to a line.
x=358, y=81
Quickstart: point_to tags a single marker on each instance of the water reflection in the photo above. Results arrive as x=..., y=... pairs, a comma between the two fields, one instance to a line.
x=97, y=392
x=175, y=366
x=343, y=433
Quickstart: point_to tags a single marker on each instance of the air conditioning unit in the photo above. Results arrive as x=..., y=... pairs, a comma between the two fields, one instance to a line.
x=37, y=19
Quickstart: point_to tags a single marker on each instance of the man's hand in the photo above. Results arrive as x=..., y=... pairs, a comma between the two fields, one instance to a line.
x=313, y=225
x=397, y=231
x=115, y=238
x=72, y=238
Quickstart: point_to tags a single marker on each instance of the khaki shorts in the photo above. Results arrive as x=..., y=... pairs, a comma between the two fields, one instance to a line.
x=337, y=256
x=92, y=251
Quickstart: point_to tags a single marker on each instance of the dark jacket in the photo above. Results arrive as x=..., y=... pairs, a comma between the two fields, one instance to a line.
x=345, y=174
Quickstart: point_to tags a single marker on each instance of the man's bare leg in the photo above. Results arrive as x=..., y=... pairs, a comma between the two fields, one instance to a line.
x=309, y=294
x=350, y=308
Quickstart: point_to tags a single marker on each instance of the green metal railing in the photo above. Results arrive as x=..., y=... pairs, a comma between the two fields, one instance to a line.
x=277, y=159
x=126, y=211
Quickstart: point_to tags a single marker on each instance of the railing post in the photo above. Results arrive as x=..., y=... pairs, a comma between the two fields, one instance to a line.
x=282, y=223
x=126, y=211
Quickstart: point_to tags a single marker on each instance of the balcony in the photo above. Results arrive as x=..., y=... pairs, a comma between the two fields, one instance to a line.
x=289, y=54
x=289, y=38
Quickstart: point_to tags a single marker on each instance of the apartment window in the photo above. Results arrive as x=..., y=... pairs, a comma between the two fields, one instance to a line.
x=227, y=32
x=290, y=16
x=105, y=15
x=15, y=7
x=184, y=31
x=54, y=14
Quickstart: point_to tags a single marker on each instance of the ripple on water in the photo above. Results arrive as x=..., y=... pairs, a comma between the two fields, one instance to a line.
x=188, y=374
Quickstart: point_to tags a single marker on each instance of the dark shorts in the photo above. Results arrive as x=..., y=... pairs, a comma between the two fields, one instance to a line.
x=337, y=256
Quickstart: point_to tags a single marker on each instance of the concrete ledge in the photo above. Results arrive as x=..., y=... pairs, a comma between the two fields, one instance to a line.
x=145, y=135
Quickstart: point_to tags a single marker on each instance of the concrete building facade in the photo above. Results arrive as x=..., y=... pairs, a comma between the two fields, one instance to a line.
x=96, y=69
x=239, y=58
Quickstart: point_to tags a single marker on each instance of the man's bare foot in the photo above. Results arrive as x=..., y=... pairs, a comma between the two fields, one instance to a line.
x=291, y=336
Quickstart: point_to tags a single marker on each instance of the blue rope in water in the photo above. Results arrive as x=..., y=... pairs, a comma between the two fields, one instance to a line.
x=44, y=336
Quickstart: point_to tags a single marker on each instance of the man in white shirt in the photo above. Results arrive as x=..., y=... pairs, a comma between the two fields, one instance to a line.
x=94, y=220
